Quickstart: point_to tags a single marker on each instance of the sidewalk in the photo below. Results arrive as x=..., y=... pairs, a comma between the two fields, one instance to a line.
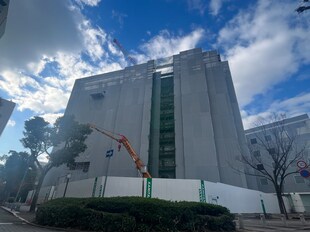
x=274, y=225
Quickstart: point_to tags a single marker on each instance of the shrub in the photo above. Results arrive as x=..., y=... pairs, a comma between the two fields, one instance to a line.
x=134, y=214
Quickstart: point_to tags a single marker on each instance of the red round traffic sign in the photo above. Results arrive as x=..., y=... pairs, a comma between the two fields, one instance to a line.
x=302, y=164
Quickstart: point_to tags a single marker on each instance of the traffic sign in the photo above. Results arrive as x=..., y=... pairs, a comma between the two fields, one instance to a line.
x=302, y=164
x=109, y=153
x=304, y=173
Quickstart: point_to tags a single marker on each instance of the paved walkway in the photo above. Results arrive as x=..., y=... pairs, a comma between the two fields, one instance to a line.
x=10, y=223
x=274, y=225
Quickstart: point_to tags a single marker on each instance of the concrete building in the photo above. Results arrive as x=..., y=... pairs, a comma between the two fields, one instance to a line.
x=180, y=114
x=6, y=109
x=296, y=186
x=4, y=6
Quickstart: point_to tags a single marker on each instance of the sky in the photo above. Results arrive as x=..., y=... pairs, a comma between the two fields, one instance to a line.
x=48, y=44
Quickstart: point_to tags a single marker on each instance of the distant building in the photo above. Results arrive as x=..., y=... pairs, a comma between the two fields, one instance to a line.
x=6, y=109
x=180, y=114
x=4, y=7
x=298, y=126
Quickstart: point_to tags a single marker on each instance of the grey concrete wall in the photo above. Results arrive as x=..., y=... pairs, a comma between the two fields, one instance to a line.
x=225, y=122
x=124, y=109
x=6, y=109
x=193, y=120
x=208, y=128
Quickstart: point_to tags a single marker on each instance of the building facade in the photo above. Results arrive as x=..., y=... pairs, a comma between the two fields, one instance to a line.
x=4, y=7
x=6, y=109
x=296, y=127
x=180, y=114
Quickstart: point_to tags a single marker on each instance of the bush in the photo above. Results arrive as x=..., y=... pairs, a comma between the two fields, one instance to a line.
x=134, y=214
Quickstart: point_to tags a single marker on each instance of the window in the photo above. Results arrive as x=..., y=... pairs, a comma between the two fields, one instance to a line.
x=84, y=166
x=268, y=138
x=299, y=179
x=260, y=167
x=253, y=141
x=263, y=181
x=271, y=151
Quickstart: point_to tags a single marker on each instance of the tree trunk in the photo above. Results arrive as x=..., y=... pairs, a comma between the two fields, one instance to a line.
x=37, y=191
x=280, y=201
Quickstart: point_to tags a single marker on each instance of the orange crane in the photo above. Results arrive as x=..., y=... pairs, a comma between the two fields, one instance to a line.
x=123, y=140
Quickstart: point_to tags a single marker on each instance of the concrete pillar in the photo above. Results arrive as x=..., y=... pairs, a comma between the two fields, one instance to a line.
x=240, y=220
x=283, y=219
x=263, y=219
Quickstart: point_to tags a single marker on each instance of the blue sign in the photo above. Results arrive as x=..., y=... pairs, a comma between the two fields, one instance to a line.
x=304, y=173
x=109, y=153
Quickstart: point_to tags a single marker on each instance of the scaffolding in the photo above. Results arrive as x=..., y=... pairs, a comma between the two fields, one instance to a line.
x=166, y=168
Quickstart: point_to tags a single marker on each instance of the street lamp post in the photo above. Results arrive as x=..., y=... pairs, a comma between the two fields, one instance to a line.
x=67, y=182
x=21, y=183
x=108, y=155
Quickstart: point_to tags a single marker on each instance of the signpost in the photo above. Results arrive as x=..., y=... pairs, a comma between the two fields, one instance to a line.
x=303, y=169
x=108, y=155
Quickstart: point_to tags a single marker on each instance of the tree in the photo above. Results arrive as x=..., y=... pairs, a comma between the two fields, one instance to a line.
x=16, y=179
x=274, y=148
x=62, y=143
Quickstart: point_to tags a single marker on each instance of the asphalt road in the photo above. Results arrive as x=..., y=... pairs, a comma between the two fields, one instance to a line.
x=9, y=223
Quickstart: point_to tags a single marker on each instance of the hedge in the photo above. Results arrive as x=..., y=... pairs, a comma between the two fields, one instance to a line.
x=134, y=214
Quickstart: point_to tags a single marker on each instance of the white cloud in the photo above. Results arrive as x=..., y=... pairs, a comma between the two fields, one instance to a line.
x=51, y=118
x=89, y=2
x=291, y=107
x=215, y=6
x=94, y=39
x=11, y=122
x=57, y=42
x=264, y=45
x=199, y=5
x=166, y=44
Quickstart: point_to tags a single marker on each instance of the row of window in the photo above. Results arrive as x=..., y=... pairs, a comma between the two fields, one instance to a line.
x=298, y=180
x=84, y=166
x=271, y=151
x=254, y=140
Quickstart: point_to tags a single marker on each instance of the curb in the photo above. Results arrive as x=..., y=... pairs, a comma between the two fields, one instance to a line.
x=14, y=213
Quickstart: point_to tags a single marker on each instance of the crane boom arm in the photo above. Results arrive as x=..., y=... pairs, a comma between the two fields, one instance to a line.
x=123, y=140
x=103, y=132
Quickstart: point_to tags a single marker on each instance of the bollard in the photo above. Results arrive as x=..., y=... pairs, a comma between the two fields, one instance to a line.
x=240, y=220
x=283, y=219
x=263, y=219
x=302, y=219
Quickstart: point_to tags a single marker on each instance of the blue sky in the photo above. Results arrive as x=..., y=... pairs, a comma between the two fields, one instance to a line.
x=48, y=44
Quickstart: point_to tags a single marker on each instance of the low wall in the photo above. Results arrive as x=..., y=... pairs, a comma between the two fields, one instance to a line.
x=236, y=199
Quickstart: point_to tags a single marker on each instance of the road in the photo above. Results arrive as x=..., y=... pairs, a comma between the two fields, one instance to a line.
x=9, y=223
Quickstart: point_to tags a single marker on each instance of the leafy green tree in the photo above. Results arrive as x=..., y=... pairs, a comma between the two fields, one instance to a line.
x=62, y=143
x=16, y=175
